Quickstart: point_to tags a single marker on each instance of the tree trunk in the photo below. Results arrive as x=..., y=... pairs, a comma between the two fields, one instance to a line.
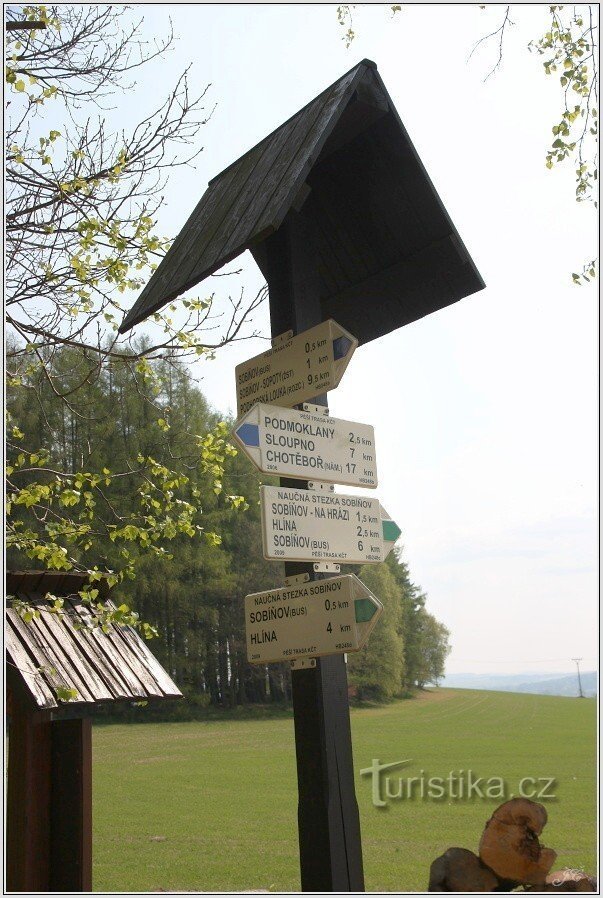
x=460, y=870
x=510, y=846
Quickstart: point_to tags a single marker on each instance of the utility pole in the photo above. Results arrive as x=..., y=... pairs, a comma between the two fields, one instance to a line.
x=578, y=660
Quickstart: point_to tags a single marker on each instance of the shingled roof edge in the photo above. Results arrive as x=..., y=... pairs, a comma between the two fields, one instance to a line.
x=368, y=63
x=138, y=313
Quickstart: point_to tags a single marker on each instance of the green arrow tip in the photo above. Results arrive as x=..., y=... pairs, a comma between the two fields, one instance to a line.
x=391, y=531
x=364, y=610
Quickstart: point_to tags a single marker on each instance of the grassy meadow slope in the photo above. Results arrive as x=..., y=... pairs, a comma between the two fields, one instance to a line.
x=212, y=805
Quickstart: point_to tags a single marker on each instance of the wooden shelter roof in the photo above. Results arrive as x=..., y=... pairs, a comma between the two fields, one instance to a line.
x=68, y=651
x=388, y=252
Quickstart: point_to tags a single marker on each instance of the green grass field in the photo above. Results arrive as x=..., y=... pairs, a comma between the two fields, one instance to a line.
x=212, y=805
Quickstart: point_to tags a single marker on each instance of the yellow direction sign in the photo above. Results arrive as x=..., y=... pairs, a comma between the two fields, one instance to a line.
x=307, y=444
x=295, y=369
x=315, y=525
x=324, y=617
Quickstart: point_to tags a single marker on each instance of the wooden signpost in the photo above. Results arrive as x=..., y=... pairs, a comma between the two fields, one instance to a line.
x=346, y=226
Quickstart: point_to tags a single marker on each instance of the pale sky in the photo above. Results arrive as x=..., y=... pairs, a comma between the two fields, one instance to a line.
x=487, y=442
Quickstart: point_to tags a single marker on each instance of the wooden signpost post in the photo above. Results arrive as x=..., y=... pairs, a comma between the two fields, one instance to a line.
x=342, y=219
x=330, y=844
x=305, y=524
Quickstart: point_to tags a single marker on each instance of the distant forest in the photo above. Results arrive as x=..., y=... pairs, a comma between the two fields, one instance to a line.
x=195, y=595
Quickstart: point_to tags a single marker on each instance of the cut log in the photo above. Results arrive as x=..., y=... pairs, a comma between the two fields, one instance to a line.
x=570, y=881
x=510, y=846
x=460, y=870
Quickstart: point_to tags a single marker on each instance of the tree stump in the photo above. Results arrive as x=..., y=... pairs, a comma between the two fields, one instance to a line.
x=460, y=870
x=510, y=846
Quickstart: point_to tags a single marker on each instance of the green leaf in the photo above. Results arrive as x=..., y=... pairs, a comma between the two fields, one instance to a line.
x=20, y=85
x=65, y=694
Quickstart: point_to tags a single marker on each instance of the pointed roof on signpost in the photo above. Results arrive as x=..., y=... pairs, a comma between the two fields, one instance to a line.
x=387, y=246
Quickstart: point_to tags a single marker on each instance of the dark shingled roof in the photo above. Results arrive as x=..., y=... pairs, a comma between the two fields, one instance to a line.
x=52, y=652
x=387, y=246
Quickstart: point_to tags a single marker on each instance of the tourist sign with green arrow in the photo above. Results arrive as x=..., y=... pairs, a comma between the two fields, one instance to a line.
x=310, y=619
x=320, y=525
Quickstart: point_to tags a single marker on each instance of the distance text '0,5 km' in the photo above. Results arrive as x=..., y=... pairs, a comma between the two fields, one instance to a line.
x=295, y=369
x=309, y=619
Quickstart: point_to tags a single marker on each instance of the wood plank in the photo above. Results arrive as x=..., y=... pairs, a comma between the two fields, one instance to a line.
x=131, y=685
x=396, y=150
x=415, y=283
x=192, y=258
x=305, y=158
x=205, y=248
x=341, y=247
x=363, y=182
x=133, y=661
x=32, y=579
x=394, y=178
x=165, y=283
x=327, y=260
x=354, y=220
x=147, y=658
x=13, y=581
x=71, y=806
x=367, y=105
x=190, y=234
x=27, y=669
x=370, y=92
x=49, y=581
x=58, y=657
x=69, y=640
x=114, y=684
x=328, y=283
x=272, y=168
x=28, y=803
x=41, y=582
x=38, y=649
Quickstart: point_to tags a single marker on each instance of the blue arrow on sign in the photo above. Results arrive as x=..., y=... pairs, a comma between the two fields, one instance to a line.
x=341, y=347
x=249, y=434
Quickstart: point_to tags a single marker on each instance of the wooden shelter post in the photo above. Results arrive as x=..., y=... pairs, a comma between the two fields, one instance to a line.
x=328, y=820
x=49, y=803
x=28, y=801
x=49, y=792
x=71, y=806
